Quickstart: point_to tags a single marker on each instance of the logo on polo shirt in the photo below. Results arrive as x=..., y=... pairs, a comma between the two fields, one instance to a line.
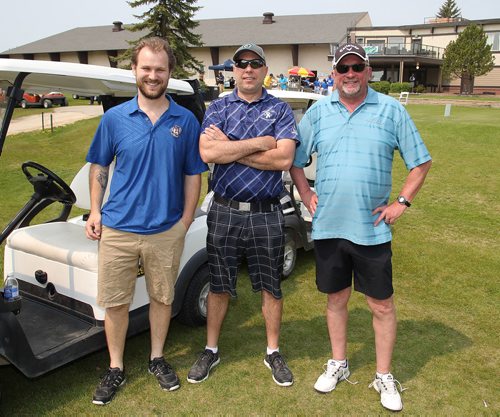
x=268, y=114
x=176, y=131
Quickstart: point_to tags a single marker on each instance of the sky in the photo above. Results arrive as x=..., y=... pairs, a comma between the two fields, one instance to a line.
x=25, y=21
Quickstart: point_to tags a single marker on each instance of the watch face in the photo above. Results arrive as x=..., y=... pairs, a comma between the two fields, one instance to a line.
x=401, y=199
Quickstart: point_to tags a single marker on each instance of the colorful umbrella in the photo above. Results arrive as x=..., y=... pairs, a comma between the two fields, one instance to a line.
x=303, y=72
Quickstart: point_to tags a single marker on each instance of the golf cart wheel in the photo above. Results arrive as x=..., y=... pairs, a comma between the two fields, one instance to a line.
x=290, y=256
x=194, y=306
x=47, y=104
x=24, y=104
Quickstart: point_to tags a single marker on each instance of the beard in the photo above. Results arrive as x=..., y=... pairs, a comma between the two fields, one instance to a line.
x=349, y=91
x=151, y=95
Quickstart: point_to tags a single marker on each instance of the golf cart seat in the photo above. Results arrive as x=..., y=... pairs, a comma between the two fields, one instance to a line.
x=62, y=251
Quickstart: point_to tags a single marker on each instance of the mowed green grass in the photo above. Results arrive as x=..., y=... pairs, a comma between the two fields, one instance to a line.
x=446, y=275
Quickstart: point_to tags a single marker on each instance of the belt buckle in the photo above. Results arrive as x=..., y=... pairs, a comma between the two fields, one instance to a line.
x=244, y=206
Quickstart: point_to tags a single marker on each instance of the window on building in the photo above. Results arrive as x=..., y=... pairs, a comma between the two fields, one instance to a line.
x=494, y=40
x=374, y=46
x=396, y=41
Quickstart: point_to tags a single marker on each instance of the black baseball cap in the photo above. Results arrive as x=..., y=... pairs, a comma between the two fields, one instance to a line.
x=349, y=49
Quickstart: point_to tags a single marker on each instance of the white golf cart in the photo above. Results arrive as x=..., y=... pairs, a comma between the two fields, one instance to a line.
x=298, y=221
x=57, y=319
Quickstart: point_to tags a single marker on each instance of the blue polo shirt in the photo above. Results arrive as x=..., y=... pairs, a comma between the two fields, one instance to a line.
x=241, y=120
x=147, y=187
x=355, y=152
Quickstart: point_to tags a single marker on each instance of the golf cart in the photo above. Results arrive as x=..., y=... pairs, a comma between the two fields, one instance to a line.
x=57, y=320
x=298, y=220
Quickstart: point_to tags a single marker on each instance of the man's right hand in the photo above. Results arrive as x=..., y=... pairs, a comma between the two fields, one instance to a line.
x=93, y=226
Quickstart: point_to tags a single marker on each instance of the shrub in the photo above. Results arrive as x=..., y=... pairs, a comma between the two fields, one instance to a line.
x=400, y=87
x=381, y=86
x=420, y=88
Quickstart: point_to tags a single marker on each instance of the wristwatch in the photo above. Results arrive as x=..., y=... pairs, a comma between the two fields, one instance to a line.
x=403, y=200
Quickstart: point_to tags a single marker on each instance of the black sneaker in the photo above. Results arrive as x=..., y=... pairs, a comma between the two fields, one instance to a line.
x=113, y=379
x=201, y=368
x=281, y=374
x=164, y=373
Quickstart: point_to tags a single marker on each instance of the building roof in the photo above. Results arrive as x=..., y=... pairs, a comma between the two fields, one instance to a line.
x=297, y=29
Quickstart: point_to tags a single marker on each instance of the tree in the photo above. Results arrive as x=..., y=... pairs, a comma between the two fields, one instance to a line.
x=467, y=57
x=449, y=10
x=170, y=20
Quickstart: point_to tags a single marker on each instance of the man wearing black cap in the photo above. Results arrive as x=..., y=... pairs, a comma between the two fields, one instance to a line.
x=250, y=137
x=354, y=134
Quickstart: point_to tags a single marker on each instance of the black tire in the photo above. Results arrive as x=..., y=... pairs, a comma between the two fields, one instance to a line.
x=24, y=104
x=46, y=103
x=290, y=256
x=75, y=96
x=194, y=306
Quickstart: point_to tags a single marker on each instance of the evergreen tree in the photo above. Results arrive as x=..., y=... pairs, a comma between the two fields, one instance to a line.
x=449, y=10
x=170, y=20
x=467, y=57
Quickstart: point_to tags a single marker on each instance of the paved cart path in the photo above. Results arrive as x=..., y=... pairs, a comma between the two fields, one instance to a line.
x=60, y=116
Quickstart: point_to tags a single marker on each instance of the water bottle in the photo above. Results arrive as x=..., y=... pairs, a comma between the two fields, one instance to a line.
x=11, y=288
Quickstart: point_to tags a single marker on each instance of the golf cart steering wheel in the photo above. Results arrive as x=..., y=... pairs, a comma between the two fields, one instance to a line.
x=48, y=185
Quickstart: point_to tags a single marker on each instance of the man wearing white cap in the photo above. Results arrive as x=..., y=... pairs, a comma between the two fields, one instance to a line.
x=354, y=133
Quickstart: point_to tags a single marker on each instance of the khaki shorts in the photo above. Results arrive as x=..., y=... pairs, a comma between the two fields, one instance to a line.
x=119, y=254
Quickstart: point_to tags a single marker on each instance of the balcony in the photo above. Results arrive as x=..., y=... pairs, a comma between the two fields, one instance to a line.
x=403, y=49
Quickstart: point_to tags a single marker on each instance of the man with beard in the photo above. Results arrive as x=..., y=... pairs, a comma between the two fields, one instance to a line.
x=153, y=195
x=354, y=134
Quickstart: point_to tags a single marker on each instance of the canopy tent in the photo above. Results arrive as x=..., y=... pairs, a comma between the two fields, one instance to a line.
x=226, y=66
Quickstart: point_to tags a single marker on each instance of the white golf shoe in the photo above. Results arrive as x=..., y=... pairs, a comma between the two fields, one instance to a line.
x=388, y=390
x=334, y=373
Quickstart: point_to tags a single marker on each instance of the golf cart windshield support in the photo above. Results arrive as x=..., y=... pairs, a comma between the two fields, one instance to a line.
x=14, y=94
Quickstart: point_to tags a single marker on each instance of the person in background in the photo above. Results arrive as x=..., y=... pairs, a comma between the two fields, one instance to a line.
x=352, y=210
x=153, y=195
x=283, y=82
x=219, y=79
x=324, y=87
x=250, y=136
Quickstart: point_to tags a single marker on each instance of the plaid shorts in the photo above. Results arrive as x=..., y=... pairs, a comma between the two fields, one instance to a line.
x=233, y=234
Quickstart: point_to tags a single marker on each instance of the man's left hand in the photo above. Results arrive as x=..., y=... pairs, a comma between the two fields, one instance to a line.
x=389, y=213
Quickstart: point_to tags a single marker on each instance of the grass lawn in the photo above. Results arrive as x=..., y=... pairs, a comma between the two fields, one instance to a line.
x=446, y=276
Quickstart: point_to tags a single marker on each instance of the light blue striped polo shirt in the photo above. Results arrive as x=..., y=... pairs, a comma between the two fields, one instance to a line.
x=355, y=152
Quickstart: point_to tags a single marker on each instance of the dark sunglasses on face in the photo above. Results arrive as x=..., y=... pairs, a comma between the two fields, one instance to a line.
x=344, y=69
x=254, y=63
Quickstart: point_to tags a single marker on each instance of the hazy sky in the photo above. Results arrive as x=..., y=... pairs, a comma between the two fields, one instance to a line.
x=25, y=21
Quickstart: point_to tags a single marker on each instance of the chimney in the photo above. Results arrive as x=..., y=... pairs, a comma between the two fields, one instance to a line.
x=117, y=26
x=268, y=18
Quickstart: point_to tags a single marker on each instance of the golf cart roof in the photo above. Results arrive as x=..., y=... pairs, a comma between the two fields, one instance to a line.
x=296, y=99
x=81, y=79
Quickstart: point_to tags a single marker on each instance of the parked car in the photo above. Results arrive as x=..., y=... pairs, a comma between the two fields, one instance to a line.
x=57, y=320
x=91, y=99
x=43, y=100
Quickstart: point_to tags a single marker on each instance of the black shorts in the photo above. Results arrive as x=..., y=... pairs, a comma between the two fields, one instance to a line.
x=337, y=259
x=258, y=236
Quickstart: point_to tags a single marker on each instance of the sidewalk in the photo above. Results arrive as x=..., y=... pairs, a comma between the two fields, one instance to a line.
x=60, y=116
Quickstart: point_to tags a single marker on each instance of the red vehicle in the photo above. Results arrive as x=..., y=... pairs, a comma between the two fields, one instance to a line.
x=45, y=100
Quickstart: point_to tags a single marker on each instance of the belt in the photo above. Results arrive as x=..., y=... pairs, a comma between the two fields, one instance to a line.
x=256, y=206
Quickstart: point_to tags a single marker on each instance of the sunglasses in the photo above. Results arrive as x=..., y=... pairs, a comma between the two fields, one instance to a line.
x=344, y=69
x=254, y=63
